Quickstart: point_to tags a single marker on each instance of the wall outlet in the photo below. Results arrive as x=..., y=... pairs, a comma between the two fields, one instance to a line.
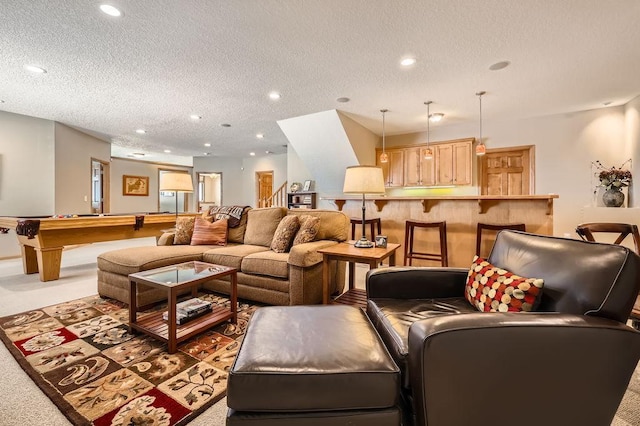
x=86, y=198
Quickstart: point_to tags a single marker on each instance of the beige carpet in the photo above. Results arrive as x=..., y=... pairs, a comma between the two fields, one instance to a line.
x=19, y=293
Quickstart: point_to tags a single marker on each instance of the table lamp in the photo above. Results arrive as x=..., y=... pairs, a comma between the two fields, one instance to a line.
x=363, y=180
x=176, y=181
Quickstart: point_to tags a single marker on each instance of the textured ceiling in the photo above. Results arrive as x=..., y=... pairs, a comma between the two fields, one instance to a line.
x=166, y=59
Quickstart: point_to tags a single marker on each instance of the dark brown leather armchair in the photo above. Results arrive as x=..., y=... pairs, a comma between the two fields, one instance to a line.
x=569, y=363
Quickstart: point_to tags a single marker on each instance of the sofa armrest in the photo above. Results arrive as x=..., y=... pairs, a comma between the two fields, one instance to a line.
x=521, y=356
x=166, y=239
x=416, y=282
x=305, y=255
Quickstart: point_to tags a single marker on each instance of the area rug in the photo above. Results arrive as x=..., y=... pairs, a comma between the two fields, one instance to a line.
x=82, y=356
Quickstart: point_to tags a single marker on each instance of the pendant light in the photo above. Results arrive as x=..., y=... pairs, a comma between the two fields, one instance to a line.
x=481, y=149
x=428, y=152
x=383, y=157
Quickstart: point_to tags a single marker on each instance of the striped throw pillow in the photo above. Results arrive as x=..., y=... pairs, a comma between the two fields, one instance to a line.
x=207, y=233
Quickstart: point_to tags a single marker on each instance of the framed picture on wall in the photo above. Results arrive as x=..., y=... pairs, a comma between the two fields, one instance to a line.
x=307, y=185
x=135, y=185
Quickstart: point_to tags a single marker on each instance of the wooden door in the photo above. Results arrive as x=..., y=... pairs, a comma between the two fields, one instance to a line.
x=264, y=183
x=508, y=171
x=99, y=186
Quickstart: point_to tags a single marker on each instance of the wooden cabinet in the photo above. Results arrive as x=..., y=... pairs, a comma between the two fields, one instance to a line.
x=417, y=170
x=392, y=170
x=301, y=200
x=407, y=167
x=453, y=163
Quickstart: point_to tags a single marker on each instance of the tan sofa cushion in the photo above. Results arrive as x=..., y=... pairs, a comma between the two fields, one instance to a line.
x=262, y=224
x=231, y=255
x=135, y=259
x=334, y=225
x=267, y=263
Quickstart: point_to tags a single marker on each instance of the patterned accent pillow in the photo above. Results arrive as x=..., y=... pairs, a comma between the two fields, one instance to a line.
x=309, y=226
x=493, y=289
x=284, y=234
x=208, y=233
x=184, y=230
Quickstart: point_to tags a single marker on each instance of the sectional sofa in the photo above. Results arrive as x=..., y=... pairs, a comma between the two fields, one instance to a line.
x=290, y=278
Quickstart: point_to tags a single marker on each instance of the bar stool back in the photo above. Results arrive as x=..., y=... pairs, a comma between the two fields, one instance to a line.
x=495, y=227
x=409, y=251
x=371, y=222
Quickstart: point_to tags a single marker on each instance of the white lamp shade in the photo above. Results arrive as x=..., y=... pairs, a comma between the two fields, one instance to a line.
x=363, y=180
x=175, y=181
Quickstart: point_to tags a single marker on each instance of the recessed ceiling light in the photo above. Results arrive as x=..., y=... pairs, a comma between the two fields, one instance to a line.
x=225, y=125
x=499, y=65
x=195, y=117
x=274, y=96
x=141, y=131
x=260, y=136
x=35, y=69
x=110, y=10
x=343, y=100
x=167, y=151
x=1, y=101
x=252, y=154
x=435, y=117
x=407, y=62
x=207, y=144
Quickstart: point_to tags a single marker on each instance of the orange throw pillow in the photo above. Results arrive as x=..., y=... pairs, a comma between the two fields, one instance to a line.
x=211, y=234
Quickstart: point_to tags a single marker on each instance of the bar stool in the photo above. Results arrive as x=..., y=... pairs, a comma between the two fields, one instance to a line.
x=495, y=227
x=410, y=253
x=371, y=222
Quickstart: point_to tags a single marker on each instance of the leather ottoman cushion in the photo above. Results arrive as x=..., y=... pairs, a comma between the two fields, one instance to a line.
x=311, y=358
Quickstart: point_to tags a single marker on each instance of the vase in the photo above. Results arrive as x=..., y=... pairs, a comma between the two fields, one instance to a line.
x=613, y=197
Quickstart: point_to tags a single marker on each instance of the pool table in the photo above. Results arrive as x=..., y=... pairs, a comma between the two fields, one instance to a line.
x=43, y=238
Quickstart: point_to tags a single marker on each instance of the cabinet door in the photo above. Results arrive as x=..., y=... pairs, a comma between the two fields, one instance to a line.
x=412, y=167
x=444, y=164
x=428, y=170
x=462, y=163
x=392, y=170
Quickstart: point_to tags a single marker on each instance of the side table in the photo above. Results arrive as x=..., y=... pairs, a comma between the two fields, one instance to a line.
x=349, y=253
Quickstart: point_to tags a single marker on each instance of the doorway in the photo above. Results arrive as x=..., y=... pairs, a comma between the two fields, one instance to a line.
x=508, y=171
x=99, y=186
x=209, y=190
x=264, y=188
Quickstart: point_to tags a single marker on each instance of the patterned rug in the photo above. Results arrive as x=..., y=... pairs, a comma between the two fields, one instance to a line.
x=82, y=356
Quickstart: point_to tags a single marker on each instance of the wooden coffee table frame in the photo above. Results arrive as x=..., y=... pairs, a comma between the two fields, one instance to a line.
x=168, y=330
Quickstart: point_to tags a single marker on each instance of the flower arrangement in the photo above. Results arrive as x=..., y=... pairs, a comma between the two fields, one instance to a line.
x=614, y=177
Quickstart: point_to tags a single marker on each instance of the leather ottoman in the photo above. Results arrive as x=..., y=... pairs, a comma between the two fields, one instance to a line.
x=313, y=365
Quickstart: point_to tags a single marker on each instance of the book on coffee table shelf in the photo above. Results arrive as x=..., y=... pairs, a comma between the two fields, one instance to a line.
x=189, y=309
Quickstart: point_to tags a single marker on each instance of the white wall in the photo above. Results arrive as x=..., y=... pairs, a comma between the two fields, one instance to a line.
x=632, y=143
x=565, y=146
x=26, y=171
x=73, y=153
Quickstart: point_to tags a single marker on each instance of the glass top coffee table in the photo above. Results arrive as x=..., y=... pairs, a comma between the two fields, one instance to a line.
x=174, y=279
